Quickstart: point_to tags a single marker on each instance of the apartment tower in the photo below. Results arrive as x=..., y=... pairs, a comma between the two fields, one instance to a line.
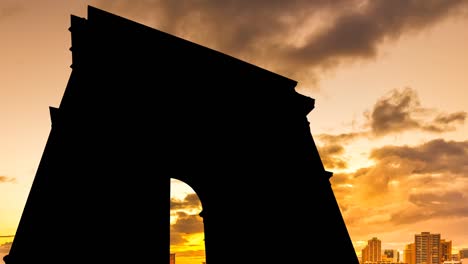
x=372, y=252
x=428, y=248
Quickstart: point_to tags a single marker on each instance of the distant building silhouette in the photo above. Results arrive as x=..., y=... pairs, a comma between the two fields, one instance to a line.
x=142, y=107
x=409, y=254
x=172, y=258
x=390, y=255
x=446, y=250
x=463, y=253
x=383, y=262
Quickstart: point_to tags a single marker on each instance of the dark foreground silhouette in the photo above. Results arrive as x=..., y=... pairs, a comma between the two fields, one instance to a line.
x=142, y=107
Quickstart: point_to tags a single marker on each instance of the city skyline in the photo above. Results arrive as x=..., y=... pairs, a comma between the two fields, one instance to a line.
x=374, y=251
x=389, y=80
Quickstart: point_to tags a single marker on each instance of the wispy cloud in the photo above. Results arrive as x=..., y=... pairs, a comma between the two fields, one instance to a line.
x=6, y=179
x=342, y=138
x=295, y=38
x=191, y=253
x=398, y=111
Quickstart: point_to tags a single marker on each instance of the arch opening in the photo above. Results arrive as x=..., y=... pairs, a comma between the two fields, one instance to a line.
x=187, y=236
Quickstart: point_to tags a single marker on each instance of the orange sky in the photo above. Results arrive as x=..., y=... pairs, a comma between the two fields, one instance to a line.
x=389, y=79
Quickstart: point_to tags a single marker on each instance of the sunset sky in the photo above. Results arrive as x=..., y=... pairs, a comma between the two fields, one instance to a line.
x=390, y=80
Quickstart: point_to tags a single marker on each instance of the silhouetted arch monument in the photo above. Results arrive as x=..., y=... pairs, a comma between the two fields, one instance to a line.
x=141, y=107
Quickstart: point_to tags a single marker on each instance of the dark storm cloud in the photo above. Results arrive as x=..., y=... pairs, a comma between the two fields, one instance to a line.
x=356, y=32
x=6, y=179
x=187, y=223
x=230, y=25
x=191, y=201
x=342, y=138
x=294, y=38
x=401, y=111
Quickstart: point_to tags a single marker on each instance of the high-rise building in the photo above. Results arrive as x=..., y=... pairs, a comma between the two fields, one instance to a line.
x=172, y=258
x=409, y=255
x=372, y=252
x=428, y=249
x=446, y=250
